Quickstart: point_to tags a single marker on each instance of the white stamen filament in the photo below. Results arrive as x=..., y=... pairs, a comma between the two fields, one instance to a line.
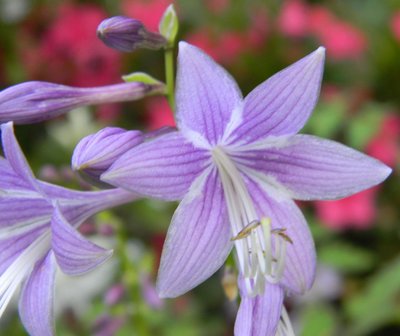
x=259, y=257
x=21, y=267
x=284, y=327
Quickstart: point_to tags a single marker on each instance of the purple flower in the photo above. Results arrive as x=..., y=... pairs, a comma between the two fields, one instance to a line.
x=238, y=164
x=37, y=101
x=95, y=153
x=125, y=34
x=38, y=230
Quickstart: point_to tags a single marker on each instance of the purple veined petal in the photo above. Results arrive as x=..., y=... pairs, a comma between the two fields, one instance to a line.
x=198, y=240
x=300, y=264
x=162, y=168
x=260, y=315
x=9, y=179
x=74, y=253
x=95, y=153
x=306, y=167
x=15, y=157
x=22, y=214
x=37, y=298
x=206, y=94
x=282, y=104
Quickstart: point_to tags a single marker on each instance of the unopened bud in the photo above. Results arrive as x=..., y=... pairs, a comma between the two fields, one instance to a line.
x=95, y=153
x=125, y=34
x=37, y=101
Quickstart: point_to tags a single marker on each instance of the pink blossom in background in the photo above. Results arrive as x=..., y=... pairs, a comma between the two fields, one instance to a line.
x=318, y=17
x=159, y=113
x=395, y=25
x=342, y=40
x=293, y=19
x=147, y=11
x=385, y=146
x=224, y=47
x=69, y=52
x=354, y=212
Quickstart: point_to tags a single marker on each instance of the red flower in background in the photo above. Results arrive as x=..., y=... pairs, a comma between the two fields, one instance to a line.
x=69, y=52
x=341, y=39
x=293, y=20
x=159, y=114
x=359, y=211
x=147, y=11
x=395, y=25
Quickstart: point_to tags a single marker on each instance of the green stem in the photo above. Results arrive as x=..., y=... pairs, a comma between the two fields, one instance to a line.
x=169, y=76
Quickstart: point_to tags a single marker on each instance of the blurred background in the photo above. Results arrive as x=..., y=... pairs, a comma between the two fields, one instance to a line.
x=357, y=290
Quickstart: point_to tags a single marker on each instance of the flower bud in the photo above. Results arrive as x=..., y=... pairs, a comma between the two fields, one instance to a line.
x=37, y=101
x=126, y=34
x=95, y=153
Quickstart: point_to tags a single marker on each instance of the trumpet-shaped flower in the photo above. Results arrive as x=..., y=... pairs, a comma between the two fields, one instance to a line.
x=238, y=164
x=36, y=101
x=38, y=225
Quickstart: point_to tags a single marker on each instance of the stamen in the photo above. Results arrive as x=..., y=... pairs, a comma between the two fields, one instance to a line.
x=284, y=327
x=258, y=257
x=245, y=232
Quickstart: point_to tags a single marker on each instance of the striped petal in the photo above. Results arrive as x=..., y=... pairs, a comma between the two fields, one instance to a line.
x=36, y=301
x=282, y=104
x=198, y=240
x=300, y=265
x=306, y=167
x=206, y=95
x=260, y=315
x=75, y=254
x=162, y=168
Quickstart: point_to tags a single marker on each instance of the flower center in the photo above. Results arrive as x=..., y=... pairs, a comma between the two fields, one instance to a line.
x=260, y=250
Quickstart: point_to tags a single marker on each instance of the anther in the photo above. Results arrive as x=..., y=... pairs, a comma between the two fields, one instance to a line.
x=282, y=233
x=245, y=232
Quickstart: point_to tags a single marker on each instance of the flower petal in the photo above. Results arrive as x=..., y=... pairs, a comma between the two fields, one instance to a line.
x=300, y=265
x=162, y=168
x=74, y=253
x=15, y=157
x=198, y=240
x=260, y=315
x=206, y=94
x=306, y=167
x=282, y=104
x=36, y=302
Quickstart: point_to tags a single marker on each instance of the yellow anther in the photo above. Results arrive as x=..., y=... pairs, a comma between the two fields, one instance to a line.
x=282, y=233
x=245, y=232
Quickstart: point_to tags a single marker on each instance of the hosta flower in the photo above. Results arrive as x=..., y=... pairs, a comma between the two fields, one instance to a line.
x=38, y=225
x=125, y=34
x=238, y=164
x=36, y=101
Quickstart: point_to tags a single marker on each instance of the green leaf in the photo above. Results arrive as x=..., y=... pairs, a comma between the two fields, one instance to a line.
x=141, y=77
x=346, y=258
x=377, y=304
x=364, y=126
x=327, y=119
x=169, y=24
x=318, y=320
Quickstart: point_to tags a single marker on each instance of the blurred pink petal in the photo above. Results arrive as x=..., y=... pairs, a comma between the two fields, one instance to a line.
x=356, y=212
x=395, y=25
x=385, y=145
x=293, y=19
x=147, y=11
x=159, y=114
